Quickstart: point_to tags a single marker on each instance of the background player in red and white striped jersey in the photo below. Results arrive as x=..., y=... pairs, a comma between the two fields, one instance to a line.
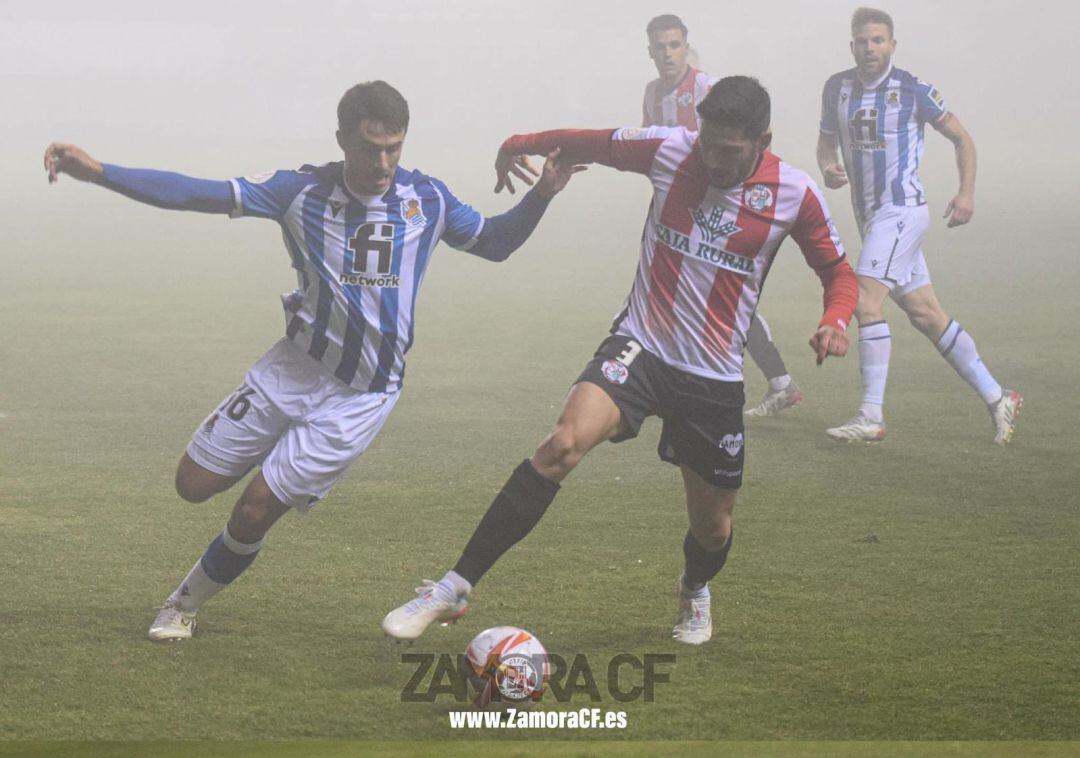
x=722, y=204
x=672, y=100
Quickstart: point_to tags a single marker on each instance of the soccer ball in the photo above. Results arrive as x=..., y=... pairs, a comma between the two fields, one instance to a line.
x=509, y=666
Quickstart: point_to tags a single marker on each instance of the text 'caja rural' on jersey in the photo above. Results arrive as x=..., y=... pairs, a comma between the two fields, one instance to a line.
x=359, y=262
x=679, y=106
x=880, y=130
x=705, y=250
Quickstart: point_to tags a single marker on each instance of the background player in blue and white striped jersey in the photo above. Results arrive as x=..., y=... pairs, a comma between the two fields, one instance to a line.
x=875, y=113
x=360, y=234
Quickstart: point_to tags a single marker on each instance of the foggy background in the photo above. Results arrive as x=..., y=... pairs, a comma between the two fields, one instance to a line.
x=217, y=90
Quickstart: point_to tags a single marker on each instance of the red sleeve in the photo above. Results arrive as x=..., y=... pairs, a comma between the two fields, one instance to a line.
x=624, y=149
x=820, y=244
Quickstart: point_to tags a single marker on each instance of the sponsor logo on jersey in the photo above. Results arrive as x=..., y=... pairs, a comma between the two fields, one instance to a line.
x=758, y=198
x=615, y=372
x=731, y=444
x=721, y=258
x=713, y=226
x=392, y=281
x=370, y=257
x=411, y=212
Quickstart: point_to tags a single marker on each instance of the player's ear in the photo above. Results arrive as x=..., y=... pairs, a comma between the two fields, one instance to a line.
x=765, y=140
x=340, y=139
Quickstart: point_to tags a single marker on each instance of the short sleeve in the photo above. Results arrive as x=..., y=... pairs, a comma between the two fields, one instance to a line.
x=267, y=195
x=829, y=99
x=633, y=149
x=929, y=103
x=463, y=222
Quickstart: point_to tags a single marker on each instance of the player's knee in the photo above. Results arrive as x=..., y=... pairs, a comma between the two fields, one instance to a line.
x=868, y=313
x=929, y=321
x=191, y=490
x=561, y=450
x=712, y=536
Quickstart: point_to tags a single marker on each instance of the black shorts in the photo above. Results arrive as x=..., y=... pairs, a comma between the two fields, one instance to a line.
x=703, y=421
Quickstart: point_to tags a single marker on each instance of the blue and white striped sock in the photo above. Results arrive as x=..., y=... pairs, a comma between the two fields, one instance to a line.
x=224, y=560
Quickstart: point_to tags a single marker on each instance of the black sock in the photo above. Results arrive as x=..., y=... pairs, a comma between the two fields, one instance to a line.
x=701, y=564
x=514, y=512
x=763, y=351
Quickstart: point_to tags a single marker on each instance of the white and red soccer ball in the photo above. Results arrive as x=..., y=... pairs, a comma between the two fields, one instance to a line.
x=509, y=665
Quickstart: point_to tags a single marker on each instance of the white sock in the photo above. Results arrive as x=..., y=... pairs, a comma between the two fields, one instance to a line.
x=957, y=347
x=697, y=594
x=195, y=590
x=875, y=345
x=778, y=383
x=455, y=585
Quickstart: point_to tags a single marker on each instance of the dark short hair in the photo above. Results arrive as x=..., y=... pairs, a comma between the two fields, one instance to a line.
x=665, y=22
x=863, y=16
x=740, y=102
x=374, y=101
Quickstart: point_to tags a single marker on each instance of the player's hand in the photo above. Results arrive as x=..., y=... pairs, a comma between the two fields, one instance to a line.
x=73, y=161
x=835, y=176
x=518, y=165
x=828, y=340
x=960, y=210
x=556, y=174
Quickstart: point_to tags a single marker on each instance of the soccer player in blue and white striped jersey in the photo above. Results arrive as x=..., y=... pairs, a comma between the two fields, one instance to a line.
x=876, y=114
x=360, y=234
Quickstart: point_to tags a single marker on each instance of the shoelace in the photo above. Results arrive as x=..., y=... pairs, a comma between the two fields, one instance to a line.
x=427, y=592
x=692, y=612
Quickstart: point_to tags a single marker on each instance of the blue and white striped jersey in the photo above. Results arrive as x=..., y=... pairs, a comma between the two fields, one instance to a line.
x=359, y=262
x=880, y=129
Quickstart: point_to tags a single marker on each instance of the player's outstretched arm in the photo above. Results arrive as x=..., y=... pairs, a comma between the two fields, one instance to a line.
x=832, y=170
x=159, y=188
x=962, y=207
x=576, y=146
x=505, y=233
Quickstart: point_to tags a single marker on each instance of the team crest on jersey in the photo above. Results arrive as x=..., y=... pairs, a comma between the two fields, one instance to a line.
x=685, y=99
x=893, y=98
x=713, y=226
x=615, y=372
x=411, y=212
x=758, y=198
x=732, y=444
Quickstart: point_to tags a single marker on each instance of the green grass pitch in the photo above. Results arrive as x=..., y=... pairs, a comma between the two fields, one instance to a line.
x=922, y=589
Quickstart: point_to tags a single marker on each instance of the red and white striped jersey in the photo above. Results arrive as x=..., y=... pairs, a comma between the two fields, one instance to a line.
x=705, y=250
x=678, y=107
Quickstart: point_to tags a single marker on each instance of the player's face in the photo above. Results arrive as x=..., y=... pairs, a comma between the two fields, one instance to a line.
x=728, y=154
x=873, y=47
x=371, y=156
x=668, y=50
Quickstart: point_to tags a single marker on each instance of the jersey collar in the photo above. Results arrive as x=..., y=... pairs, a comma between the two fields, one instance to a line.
x=877, y=82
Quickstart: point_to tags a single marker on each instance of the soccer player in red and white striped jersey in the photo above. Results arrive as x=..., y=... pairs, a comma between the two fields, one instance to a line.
x=722, y=204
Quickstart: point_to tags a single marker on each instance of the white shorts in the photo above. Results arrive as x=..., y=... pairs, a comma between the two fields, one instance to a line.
x=296, y=419
x=892, y=248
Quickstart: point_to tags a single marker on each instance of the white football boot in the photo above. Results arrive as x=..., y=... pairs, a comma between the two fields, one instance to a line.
x=694, y=622
x=776, y=402
x=858, y=429
x=172, y=623
x=1004, y=414
x=410, y=620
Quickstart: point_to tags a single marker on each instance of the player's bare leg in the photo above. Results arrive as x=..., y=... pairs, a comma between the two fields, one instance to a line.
x=197, y=484
x=705, y=549
x=958, y=349
x=589, y=417
x=227, y=556
x=875, y=347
